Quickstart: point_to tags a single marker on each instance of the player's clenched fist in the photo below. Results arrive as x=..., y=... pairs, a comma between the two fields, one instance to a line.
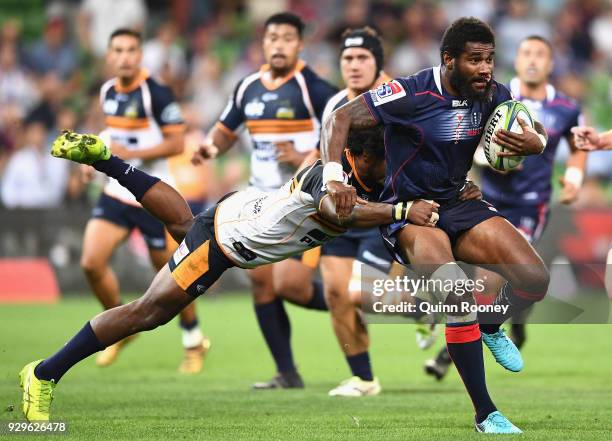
x=206, y=150
x=344, y=197
x=420, y=212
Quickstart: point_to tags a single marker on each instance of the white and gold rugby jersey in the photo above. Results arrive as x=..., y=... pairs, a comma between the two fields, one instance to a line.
x=254, y=227
x=138, y=116
x=290, y=111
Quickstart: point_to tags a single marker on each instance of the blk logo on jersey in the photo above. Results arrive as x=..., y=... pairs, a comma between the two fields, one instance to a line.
x=387, y=92
x=460, y=103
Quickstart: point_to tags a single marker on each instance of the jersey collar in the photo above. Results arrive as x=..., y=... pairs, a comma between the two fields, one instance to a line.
x=269, y=85
x=515, y=88
x=143, y=74
x=437, y=78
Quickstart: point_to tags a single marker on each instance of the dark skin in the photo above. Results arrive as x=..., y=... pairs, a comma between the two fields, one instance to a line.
x=488, y=241
x=474, y=65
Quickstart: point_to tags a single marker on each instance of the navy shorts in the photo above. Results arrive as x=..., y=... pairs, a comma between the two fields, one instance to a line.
x=198, y=262
x=365, y=245
x=455, y=218
x=129, y=216
x=528, y=219
x=459, y=216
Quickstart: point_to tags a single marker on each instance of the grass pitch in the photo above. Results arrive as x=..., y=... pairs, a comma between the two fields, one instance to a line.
x=565, y=391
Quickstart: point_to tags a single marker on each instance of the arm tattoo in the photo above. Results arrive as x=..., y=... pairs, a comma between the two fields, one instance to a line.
x=353, y=115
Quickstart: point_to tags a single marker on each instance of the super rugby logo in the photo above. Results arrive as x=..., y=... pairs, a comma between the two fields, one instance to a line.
x=387, y=92
x=389, y=88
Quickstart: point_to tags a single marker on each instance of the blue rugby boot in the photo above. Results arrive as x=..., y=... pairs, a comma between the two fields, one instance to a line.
x=504, y=350
x=497, y=423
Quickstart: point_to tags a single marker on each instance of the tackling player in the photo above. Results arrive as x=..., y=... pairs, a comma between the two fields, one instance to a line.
x=433, y=123
x=523, y=195
x=248, y=228
x=281, y=106
x=144, y=126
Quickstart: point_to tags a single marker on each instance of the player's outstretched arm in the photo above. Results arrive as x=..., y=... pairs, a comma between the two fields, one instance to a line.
x=218, y=141
x=353, y=115
x=571, y=181
x=586, y=138
x=372, y=214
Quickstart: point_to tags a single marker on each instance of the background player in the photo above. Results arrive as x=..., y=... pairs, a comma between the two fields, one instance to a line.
x=361, y=66
x=523, y=195
x=281, y=106
x=144, y=126
x=433, y=121
x=298, y=216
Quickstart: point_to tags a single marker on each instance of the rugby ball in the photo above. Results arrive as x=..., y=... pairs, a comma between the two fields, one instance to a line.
x=504, y=117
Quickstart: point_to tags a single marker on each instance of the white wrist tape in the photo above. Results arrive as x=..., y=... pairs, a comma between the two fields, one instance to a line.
x=400, y=210
x=542, y=140
x=574, y=176
x=332, y=171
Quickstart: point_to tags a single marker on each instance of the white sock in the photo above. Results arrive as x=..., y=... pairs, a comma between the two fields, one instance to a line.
x=192, y=338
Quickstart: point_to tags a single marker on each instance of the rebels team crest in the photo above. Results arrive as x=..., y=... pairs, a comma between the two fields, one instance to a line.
x=387, y=92
x=476, y=119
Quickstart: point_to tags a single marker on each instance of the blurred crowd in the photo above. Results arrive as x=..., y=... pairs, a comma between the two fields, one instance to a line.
x=52, y=66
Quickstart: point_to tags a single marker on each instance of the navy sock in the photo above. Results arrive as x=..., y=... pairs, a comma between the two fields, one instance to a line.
x=318, y=297
x=360, y=365
x=276, y=329
x=136, y=181
x=465, y=349
x=491, y=321
x=188, y=326
x=81, y=346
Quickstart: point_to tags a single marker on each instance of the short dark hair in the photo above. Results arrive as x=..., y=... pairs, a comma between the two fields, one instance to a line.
x=286, y=18
x=370, y=141
x=463, y=30
x=540, y=39
x=125, y=31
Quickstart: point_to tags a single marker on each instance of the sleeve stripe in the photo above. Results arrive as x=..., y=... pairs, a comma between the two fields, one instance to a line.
x=121, y=122
x=173, y=128
x=219, y=125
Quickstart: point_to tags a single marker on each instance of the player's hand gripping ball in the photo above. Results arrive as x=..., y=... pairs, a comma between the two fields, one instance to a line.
x=505, y=116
